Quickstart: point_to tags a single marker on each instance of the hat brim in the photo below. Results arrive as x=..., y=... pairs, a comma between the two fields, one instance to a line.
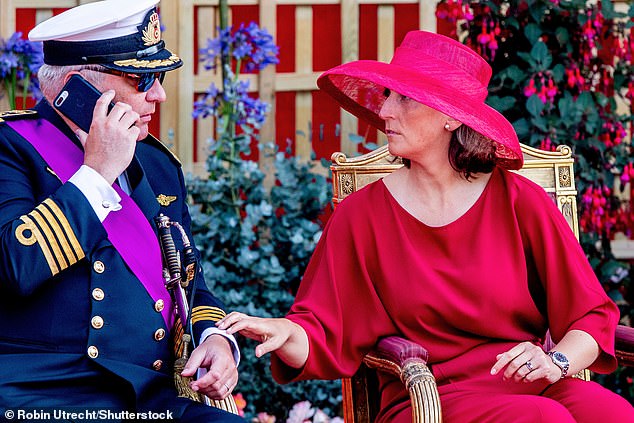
x=161, y=61
x=359, y=88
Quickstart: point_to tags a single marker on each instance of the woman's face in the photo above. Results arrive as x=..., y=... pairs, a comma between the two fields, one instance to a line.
x=412, y=128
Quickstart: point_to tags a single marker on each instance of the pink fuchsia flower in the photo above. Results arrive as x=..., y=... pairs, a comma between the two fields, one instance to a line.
x=628, y=173
x=542, y=94
x=630, y=91
x=551, y=90
x=547, y=145
x=530, y=89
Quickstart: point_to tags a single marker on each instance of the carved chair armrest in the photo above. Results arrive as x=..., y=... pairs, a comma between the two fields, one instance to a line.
x=408, y=361
x=227, y=404
x=625, y=345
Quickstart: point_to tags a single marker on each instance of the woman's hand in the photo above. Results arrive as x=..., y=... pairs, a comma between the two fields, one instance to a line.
x=286, y=338
x=526, y=362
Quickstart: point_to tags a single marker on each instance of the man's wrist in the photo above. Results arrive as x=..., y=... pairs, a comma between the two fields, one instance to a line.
x=233, y=344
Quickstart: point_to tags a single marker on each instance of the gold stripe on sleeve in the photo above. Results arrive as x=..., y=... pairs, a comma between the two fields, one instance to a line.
x=202, y=313
x=70, y=253
x=52, y=240
x=70, y=234
x=208, y=316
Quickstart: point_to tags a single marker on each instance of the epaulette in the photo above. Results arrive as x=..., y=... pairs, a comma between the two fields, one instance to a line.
x=155, y=142
x=17, y=114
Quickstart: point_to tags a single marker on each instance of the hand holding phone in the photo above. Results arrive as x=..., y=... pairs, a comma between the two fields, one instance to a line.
x=109, y=142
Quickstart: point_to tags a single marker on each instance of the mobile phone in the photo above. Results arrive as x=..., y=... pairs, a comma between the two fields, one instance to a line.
x=77, y=101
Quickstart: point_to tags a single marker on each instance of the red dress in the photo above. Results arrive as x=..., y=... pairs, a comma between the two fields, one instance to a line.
x=502, y=273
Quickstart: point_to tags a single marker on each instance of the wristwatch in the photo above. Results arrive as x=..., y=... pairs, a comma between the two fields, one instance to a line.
x=560, y=361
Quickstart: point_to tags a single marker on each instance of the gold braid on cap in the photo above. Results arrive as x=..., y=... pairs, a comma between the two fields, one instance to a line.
x=150, y=64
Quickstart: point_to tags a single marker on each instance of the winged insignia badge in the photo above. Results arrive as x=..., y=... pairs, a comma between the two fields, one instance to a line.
x=166, y=200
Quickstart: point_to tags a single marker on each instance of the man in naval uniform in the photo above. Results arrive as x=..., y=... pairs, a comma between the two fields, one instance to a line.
x=85, y=318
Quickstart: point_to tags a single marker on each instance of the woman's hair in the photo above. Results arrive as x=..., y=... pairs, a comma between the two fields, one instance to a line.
x=51, y=77
x=469, y=152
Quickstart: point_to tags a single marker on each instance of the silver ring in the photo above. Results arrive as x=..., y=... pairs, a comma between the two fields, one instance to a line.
x=226, y=387
x=529, y=366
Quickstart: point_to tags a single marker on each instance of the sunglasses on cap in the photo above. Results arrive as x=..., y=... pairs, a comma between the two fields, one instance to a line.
x=142, y=81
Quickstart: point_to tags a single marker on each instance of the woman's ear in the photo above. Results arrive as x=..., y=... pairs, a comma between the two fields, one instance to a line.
x=452, y=124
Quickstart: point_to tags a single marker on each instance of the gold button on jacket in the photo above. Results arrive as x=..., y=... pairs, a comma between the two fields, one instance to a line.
x=98, y=294
x=159, y=305
x=98, y=266
x=97, y=322
x=93, y=352
x=159, y=334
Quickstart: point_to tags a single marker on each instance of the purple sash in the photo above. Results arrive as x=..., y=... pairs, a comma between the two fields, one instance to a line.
x=127, y=228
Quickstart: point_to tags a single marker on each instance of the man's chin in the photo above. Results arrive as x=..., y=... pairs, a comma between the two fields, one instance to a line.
x=143, y=131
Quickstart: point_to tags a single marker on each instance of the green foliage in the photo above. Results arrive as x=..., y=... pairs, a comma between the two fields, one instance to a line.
x=255, y=246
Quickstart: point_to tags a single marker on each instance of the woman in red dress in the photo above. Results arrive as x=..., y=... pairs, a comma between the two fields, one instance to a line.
x=452, y=251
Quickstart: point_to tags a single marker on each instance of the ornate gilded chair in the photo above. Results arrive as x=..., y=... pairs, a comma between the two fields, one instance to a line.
x=552, y=170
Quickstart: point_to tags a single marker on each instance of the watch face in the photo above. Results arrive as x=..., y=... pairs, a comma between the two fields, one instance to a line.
x=560, y=357
x=561, y=361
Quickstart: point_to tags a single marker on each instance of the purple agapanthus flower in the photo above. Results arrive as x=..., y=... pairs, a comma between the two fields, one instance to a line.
x=251, y=45
x=20, y=60
x=208, y=104
x=250, y=48
x=246, y=110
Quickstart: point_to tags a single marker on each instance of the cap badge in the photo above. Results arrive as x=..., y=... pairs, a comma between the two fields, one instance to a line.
x=152, y=32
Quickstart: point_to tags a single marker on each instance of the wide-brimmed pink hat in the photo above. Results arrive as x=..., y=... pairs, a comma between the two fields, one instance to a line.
x=436, y=71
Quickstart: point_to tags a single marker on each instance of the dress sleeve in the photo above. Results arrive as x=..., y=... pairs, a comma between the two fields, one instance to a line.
x=337, y=303
x=574, y=297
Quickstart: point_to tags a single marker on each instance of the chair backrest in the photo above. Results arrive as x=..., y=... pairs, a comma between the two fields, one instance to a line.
x=552, y=170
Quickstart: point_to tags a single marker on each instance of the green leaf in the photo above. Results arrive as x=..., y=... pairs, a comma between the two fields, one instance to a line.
x=601, y=99
x=527, y=58
x=512, y=22
x=535, y=139
x=566, y=106
x=522, y=128
x=532, y=32
x=541, y=55
x=501, y=104
x=537, y=10
x=513, y=74
x=584, y=100
x=534, y=105
x=559, y=72
x=540, y=123
x=562, y=35
x=607, y=9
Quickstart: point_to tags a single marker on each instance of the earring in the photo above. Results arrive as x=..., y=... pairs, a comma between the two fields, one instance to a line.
x=447, y=126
